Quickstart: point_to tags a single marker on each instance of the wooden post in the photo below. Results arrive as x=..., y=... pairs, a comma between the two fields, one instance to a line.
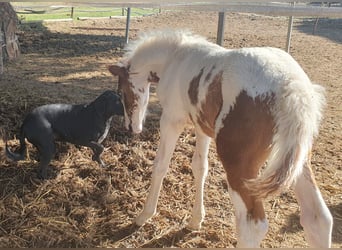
x=72, y=12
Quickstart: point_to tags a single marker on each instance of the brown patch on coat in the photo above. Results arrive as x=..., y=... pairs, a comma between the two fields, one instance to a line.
x=273, y=183
x=125, y=87
x=211, y=107
x=129, y=97
x=193, y=88
x=243, y=145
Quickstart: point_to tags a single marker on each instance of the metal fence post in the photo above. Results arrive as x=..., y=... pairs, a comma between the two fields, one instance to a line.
x=220, y=28
x=128, y=19
x=289, y=32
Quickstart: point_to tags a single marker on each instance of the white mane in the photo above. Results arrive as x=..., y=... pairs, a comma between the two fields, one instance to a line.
x=159, y=42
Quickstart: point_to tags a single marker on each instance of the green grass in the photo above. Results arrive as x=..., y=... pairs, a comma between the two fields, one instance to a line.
x=30, y=12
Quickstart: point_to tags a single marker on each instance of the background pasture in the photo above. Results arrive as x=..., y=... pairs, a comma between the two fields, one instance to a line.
x=38, y=11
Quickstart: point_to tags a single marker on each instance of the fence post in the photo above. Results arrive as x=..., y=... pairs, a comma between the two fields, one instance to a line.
x=289, y=32
x=220, y=28
x=128, y=20
x=72, y=12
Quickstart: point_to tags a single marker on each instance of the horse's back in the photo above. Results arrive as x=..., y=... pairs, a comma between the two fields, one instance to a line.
x=261, y=69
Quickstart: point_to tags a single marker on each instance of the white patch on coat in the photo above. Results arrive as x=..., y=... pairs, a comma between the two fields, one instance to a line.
x=105, y=133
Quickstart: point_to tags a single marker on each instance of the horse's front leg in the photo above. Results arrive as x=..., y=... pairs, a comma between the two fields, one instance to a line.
x=200, y=170
x=169, y=133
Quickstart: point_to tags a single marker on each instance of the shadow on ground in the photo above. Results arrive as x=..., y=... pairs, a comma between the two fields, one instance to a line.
x=329, y=28
x=293, y=223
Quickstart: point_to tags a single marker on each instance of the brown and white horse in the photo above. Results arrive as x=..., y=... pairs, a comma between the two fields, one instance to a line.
x=256, y=103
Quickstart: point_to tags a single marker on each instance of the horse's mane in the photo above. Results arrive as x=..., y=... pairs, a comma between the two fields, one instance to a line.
x=163, y=40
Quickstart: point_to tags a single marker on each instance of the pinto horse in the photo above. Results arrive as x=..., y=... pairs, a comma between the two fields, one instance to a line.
x=256, y=103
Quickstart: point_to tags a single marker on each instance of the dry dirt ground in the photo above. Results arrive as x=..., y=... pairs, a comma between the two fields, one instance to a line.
x=84, y=205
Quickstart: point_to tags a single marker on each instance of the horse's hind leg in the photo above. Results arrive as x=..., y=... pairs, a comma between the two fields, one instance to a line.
x=243, y=145
x=315, y=216
x=169, y=133
x=200, y=170
x=251, y=222
x=241, y=163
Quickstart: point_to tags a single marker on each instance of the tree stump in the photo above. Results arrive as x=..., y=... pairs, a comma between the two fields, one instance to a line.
x=9, y=44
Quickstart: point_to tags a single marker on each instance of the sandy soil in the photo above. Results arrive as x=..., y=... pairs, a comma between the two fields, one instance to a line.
x=83, y=205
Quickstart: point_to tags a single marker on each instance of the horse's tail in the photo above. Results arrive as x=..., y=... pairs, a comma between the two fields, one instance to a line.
x=20, y=153
x=298, y=113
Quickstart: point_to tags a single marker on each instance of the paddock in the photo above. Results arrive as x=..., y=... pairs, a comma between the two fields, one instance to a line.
x=83, y=205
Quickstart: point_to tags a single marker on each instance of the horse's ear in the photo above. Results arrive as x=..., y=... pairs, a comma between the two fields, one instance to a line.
x=117, y=70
